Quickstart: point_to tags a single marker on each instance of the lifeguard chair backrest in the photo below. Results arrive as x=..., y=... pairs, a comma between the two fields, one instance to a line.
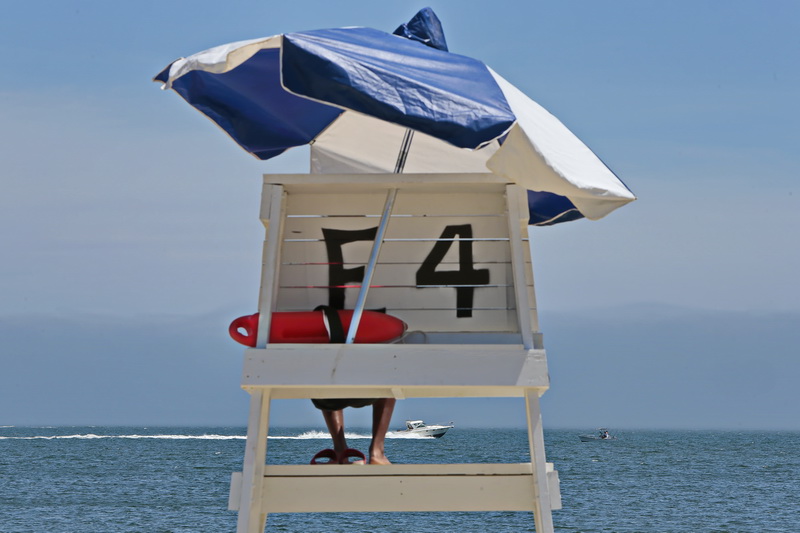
x=445, y=265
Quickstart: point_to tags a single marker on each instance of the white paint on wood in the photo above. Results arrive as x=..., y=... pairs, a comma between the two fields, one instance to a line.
x=542, y=507
x=251, y=516
x=393, y=252
x=373, y=488
x=517, y=220
x=442, y=182
x=235, y=491
x=387, y=276
x=274, y=196
x=398, y=493
x=554, y=485
x=406, y=366
x=421, y=227
x=405, y=297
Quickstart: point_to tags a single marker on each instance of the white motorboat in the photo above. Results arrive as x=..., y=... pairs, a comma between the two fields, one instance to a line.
x=418, y=427
x=602, y=434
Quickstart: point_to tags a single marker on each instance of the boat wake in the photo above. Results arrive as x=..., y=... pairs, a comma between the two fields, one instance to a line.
x=350, y=436
x=308, y=435
x=91, y=436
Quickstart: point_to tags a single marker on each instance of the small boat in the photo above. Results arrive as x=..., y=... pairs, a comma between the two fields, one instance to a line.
x=602, y=434
x=418, y=427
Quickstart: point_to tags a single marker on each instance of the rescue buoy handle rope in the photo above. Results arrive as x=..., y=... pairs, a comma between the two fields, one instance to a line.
x=334, y=324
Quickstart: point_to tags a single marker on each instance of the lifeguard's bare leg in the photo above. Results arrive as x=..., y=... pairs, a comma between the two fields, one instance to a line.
x=335, y=422
x=381, y=418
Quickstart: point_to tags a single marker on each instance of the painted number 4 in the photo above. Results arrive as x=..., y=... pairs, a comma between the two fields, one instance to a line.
x=465, y=278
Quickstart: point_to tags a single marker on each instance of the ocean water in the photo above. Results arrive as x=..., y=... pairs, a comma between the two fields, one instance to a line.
x=135, y=479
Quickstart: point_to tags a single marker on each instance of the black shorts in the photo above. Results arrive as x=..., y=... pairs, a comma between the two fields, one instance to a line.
x=335, y=404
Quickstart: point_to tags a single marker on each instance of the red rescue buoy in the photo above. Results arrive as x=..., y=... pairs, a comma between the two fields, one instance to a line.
x=310, y=327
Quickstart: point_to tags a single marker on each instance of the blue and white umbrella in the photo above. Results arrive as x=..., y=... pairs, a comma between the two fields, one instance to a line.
x=369, y=101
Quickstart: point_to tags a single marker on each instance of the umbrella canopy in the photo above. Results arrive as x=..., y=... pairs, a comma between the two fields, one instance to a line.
x=369, y=101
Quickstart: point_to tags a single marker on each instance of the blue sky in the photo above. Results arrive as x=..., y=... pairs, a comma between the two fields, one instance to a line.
x=122, y=203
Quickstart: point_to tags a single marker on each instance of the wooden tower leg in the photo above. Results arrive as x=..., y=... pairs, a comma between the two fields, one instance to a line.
x=542, y=513
x=251, y=519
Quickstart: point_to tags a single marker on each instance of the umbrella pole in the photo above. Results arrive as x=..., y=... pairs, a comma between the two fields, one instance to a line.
x=376, y=246
x=373, y=259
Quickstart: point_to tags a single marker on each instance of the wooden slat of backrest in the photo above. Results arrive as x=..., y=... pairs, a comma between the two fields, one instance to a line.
x=396, y=275
x=441, y=298
x=407, y=203
x=397, y=252
x=400, y=226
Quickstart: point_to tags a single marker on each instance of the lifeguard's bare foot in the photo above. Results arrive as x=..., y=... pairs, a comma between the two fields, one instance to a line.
x=378, y=459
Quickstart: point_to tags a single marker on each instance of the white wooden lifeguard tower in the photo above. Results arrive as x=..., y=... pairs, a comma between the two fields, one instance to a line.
x=446, y=253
